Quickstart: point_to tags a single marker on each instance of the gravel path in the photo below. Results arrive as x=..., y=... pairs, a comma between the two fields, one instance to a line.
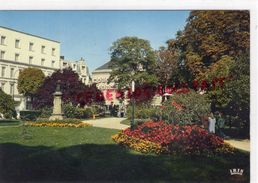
x=113, y=123
x=240, y=144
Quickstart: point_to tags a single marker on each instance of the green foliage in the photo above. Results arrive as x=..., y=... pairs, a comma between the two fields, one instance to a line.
x=71, y=111
x=29, y=80
x=212, y=36
x=186, y=108
x=132, y=59
x=168, y=69
x=142, y=111
x=7, y=105
x=234, y=97
x=46, y=112
x=29, y=115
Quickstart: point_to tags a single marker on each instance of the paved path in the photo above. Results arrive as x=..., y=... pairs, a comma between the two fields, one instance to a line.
x=113, y=123
x=240, y=144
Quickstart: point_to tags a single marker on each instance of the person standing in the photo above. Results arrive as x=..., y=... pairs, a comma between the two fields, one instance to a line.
x=212, y=123
x=221, y=124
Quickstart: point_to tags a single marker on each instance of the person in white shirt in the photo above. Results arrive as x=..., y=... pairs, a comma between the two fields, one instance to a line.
x=212, y=123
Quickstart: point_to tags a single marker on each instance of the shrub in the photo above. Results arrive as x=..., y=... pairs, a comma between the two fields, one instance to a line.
x=29, y=115
x=143, y=111
x=46, y=112
x=173, y=139
x=186, y=108
x=71, y=111
x=7, y=105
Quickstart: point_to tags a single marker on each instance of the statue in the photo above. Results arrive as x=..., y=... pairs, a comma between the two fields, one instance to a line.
x=58, y=87
x=57, y=103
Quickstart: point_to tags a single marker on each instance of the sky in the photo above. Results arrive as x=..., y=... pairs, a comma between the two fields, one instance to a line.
x=90, y=34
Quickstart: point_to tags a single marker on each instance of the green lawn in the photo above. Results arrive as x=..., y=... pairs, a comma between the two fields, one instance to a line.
x=89, y=154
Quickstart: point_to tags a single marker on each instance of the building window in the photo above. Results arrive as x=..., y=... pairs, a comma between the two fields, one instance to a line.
x=30, y=60
x=2, y=53
x=3, y=71
x=2, y=41
x=31, y=46
x=12, y=88
x=43, y=49
x=16, y=57
x=53, y=63
x=2, y=86
x=53, y=51
x=12, y=72
x=17, y=43
x=42, y=61
x=74, y=66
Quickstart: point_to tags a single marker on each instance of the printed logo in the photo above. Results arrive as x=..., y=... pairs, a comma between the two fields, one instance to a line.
x=236, y=171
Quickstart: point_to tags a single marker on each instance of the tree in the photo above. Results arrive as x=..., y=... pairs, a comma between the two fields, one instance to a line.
x=211, y=38
x=234, y=97
x=7, y=105
x=71, y=87
x=169, y=70
x=29, y=80
x=132, y=59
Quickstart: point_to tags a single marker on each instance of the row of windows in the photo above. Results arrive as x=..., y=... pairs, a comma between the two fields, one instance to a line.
x=2, y=86
x=3, y=72
x=17, y=55
x=31, y=46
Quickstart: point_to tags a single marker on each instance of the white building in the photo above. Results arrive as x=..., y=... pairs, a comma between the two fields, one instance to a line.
x=19, y=50
x=100, y=77
x=79, y=67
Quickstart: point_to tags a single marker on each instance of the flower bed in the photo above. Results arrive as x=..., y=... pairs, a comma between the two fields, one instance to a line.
x=160, y=137
x=58, y=124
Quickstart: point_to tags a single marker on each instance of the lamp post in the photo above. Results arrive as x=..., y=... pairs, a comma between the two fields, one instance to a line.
x=133, y=104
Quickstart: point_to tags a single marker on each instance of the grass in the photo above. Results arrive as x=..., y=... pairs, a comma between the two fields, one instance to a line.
x=125, y=122
x=89, y=154
x=4, y=122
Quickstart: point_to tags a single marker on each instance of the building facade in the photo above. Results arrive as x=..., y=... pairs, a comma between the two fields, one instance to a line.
x=20, y=50
x=100, y=77
x=79, y=67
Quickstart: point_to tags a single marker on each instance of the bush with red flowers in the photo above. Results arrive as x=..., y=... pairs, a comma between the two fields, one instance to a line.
x=176, y=139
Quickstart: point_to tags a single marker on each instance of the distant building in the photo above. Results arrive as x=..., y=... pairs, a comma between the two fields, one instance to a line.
x=100, y=77
x=79, y=67
x=20, y=50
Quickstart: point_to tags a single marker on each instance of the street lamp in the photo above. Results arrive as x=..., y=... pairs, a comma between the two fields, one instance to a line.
x=133, y=104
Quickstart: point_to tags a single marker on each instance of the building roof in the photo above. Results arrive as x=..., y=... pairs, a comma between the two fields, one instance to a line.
x=105, y=66
x=28, y=34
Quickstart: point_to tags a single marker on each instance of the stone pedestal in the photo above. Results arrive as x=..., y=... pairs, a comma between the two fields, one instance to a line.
x=57, y=108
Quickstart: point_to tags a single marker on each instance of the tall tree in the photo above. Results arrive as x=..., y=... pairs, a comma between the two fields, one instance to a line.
x=234, y=97
x=169, y=69
x=132, y=59
x=211, y=38
x=29, y=80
